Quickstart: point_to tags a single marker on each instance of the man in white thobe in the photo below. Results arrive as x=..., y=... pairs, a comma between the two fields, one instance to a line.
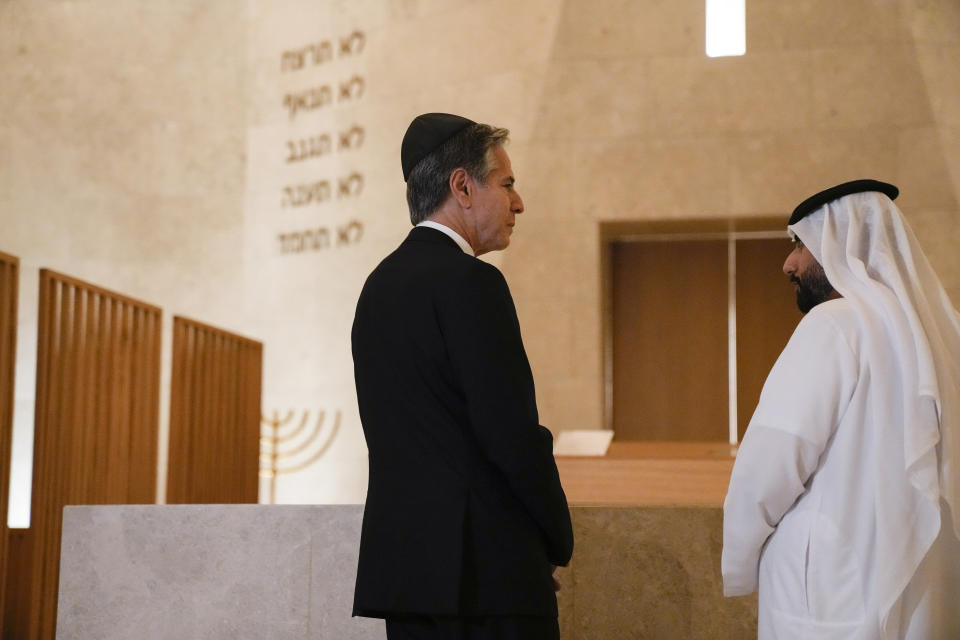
x=842, y=507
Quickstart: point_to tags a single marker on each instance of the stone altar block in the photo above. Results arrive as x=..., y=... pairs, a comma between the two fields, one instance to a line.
x=251, y=571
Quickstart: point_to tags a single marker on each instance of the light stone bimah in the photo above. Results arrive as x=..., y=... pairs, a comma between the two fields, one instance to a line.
x=210, y=572
x=283, y=572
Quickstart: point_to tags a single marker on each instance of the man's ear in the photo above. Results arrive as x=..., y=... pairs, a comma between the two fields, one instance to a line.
x=461, y=187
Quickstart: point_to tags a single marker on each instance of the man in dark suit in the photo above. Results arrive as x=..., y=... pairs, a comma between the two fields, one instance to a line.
x=465, y=519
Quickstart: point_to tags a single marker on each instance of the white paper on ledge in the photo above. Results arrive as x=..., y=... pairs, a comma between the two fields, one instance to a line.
x=582, y=442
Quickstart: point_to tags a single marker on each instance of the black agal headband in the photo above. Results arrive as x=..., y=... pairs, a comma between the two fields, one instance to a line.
x=814, y=202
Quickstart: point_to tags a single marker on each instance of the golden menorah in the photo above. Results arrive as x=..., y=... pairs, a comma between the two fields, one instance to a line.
x=279, y=452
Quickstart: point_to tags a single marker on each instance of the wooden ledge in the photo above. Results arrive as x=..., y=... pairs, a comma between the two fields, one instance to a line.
x=650, y=474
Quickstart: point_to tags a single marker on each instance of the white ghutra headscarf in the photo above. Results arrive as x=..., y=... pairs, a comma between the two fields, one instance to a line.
x=912, y=344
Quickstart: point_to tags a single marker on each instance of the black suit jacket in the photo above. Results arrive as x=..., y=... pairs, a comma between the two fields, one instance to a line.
x=465, y=513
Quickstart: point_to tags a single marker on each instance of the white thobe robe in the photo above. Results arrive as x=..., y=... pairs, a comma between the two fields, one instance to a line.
x=801, y=514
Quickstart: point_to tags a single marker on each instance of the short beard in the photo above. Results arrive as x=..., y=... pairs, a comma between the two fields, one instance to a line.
x=813, y=289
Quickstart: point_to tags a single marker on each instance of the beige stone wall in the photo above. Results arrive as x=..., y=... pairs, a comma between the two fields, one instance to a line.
x=121, y=162
x=635, y=123
x=141, y=147
x=931, y=166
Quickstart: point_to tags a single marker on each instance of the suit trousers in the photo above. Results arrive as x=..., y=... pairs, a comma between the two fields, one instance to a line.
x=472, y=628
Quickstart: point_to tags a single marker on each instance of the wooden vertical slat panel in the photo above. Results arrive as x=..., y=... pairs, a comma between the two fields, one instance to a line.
x=214, y=436
x=182, y=397
x=150, y=396
x=55, y=436
x=223, y=431
x=228, y=434
x=137, y=379
x=78, y=482
x=222, y=347
x=49, y=324
x=214, y=406
x=240, y=362
x=16, y=611
x=104, y=381
x=245, y=396
x=75, y=484
x=254, y=369
x=98, y=445
x=47, y=491
x=242, y=446
x=81, y=483
x=232, y=357
x=206, y=446
x=253, y=372
x=46, y=322
x=243, y=364
x=146, y=396
x=178, y=397
x=126, y=363
x=88, y=412
x=211, y=475
x=143, y=448
x=198, y=394
x=195, y=393
x=186, y=447
x=152, y=445
x=197, y=450
x=9, y=287
x=113, y=340
x=110, y=418
x=110, y=434
x=213, y=403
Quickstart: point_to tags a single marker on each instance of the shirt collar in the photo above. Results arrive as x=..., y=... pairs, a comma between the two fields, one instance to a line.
x=456, y=237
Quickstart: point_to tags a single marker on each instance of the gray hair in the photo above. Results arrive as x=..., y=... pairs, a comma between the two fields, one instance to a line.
x=471, y=149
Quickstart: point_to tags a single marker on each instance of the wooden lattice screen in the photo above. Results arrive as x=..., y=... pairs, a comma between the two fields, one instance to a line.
x=214, y=416
x=9, y=278
x=98, y=392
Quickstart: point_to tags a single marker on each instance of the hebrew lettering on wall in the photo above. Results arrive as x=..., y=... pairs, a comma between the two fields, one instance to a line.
x=314, y=149
x=320, y=84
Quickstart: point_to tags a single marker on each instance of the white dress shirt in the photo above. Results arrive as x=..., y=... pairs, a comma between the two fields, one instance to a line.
x=456, y=237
